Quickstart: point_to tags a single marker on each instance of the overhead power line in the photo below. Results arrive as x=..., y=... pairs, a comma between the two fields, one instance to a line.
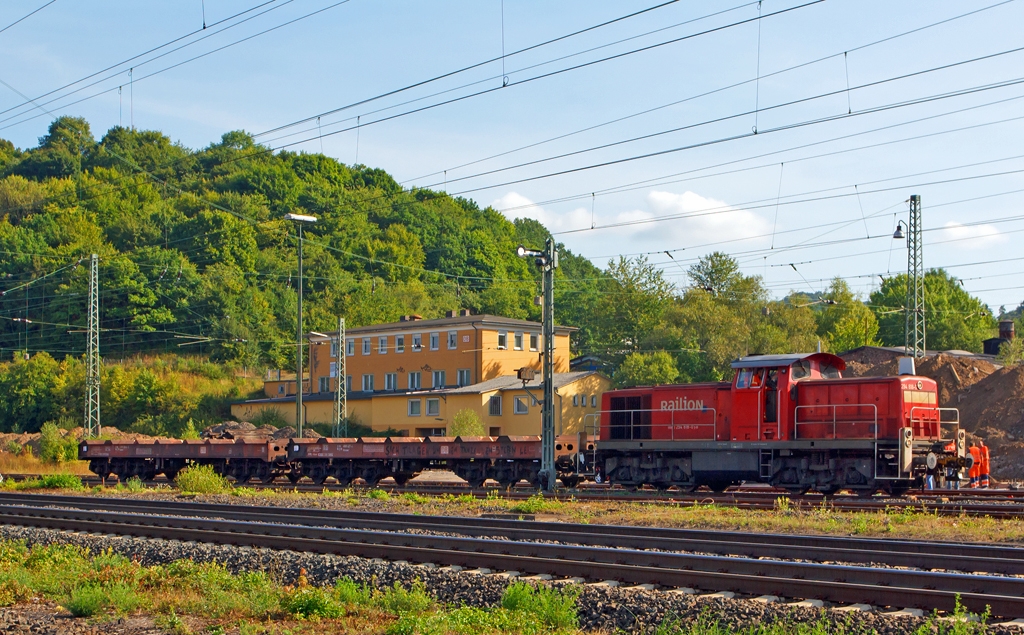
x=28, y=15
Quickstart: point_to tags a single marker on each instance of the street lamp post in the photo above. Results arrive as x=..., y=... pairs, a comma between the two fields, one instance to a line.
x=547, y=261
x=299, y=220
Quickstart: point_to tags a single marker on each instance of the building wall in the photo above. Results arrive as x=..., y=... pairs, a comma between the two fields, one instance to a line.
x=320, y=411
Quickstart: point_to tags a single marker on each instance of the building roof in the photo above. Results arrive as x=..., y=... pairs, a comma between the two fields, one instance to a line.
x=493, y=321
x=511, y=382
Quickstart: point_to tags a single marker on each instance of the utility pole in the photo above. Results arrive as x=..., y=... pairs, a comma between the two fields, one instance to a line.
x=547, y=260
x=341, y=390
x=299, y=220
x=915, y=329
x=92, y=354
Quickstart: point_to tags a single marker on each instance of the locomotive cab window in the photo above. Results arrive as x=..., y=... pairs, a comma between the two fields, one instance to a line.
x=801, y=370
x=828, y=371
x=750, y=378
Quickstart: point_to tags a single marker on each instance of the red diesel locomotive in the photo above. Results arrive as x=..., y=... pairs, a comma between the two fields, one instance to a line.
x=791, y=421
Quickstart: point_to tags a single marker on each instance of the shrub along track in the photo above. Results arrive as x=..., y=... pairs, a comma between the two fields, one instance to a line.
x=630, y=555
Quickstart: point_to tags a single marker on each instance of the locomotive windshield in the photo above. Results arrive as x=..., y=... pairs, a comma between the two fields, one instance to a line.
x=828, y=371
x=750, y=378
x=801, y=370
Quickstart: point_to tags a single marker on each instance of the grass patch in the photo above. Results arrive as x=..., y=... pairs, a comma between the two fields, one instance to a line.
x=201, y=479
x=378, y=495
x=537, y=503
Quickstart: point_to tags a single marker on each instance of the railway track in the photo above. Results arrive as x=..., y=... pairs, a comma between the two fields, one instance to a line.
x=998, y=504
x=833, y=569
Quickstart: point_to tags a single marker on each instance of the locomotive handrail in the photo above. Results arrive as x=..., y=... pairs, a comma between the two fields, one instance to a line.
x=671, y=425
x=939, y=412
x=835, y=420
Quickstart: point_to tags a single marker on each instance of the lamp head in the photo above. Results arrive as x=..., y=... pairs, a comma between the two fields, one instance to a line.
x=898, y=234
x=300, y=218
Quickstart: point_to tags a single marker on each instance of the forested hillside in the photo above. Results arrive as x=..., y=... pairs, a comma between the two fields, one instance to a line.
x=192, y=245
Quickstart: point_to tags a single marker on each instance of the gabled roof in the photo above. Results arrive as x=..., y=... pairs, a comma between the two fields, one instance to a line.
x=511, y=382
x=490, y=321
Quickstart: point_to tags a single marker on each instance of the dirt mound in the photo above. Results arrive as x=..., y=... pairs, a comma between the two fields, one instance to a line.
x=31, y=439
x=996, y=404
x=956, y=376
x=867, y=360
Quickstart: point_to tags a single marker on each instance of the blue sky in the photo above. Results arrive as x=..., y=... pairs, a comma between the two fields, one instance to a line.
x=788, y=213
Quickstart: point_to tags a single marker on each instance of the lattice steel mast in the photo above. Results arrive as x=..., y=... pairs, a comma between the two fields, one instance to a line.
x=340, y=390
x=915, y=330
x=92, y=354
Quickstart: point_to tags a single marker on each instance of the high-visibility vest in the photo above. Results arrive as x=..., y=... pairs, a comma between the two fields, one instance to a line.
x=984, y=461
x=975, y=470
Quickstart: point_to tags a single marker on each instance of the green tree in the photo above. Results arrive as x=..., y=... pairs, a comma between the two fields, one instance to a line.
x=634, y=296
x=646, y=369
x=843, y=321
x=953, y=318
x=466, y=423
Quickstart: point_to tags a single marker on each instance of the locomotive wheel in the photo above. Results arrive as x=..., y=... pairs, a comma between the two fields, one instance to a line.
x=828, y=490
x=867, y=492
x=719, y=487
x=897, y=490
x=687, y=487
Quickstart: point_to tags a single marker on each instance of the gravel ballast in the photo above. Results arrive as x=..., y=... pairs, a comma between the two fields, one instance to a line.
x=600, y=608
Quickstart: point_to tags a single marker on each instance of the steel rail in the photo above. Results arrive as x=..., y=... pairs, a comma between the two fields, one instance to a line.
x=843, y=584
x=920, y=554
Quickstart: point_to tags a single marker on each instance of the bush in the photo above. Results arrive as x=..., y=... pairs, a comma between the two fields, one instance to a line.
x=61, y=481
x=312, y=602
x=86, y=601
x=54, y=447
x=14, y=447
x=269, y=417
x=555, y=608
x=134, y=485
x=201, y=479
x=401, y=601
x=349, y=593
x=378, y=494
x=466, y=423
x=189, y=431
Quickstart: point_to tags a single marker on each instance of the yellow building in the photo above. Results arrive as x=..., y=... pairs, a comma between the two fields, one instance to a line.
x=502, y=403
x=443, y=363
x=416, y=354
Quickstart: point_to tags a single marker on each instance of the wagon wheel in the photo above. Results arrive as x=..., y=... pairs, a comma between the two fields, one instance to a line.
x=343, y=481
x=686, y=487
x=570, y=481
x=319, y=478
x=170, y=475
x=866, y=492
x=400, y=479
x=476, y=482
x=294, y=477
x=718, y=487
x=798, y=491
x=896, y=490
x=267, y=478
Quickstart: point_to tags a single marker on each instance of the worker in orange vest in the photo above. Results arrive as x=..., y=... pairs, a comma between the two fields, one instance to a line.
x=975, y=472
x=983, y=476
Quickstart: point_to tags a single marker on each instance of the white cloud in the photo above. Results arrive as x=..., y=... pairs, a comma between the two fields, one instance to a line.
x=720, y=222
x=971, y=236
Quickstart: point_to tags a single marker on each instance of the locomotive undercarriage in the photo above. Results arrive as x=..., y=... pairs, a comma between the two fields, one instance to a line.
x=862, y=467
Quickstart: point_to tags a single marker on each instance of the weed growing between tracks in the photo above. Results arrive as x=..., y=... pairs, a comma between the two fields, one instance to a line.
x=187, y=597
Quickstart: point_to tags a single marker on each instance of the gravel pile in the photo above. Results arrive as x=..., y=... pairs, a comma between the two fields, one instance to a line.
x=46, y=619
x=600, y=608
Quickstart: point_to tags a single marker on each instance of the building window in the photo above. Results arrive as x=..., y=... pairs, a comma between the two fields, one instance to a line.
x=366, y=346
x=502, y=340
x=438, y=379
x=350, y=347
x=334, y=348
x=433, y=407
x=494, y=431
x=382, y=345
x=348, y=383
x=518, y=341
x=399, y=343
x=453, y=340
x=368, y=383
x=417, y=343
x=415, y=380
x=325, y=384
x=464, y=377
x=334, y=369
x=435, y=341
x=390, y=381
x=519, y=406
x=534, y=341
x=593, y=401
x=280, y=389
x=575, y=400
x=494, y=406
x=414, y=407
